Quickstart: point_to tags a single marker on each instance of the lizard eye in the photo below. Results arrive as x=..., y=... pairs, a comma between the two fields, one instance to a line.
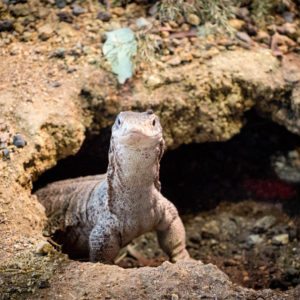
x=154, y=122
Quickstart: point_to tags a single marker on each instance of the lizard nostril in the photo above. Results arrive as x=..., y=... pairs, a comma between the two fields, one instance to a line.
x=153, y=122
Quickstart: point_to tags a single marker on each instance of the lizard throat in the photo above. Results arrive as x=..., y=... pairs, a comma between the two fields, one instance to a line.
x=134, y=168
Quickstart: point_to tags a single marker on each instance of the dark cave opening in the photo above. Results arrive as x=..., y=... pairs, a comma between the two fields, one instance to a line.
x=197, y=177
x=222, y=190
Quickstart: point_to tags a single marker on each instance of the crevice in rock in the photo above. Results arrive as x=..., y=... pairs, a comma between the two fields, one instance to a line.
x=223, y=190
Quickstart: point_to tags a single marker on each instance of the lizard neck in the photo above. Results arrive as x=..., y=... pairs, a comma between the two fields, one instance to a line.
x=133, y=170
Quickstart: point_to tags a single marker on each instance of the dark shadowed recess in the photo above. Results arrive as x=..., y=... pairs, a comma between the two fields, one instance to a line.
x=197, y=177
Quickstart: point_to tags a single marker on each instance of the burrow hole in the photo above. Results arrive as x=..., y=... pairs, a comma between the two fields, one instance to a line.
x=238, y=214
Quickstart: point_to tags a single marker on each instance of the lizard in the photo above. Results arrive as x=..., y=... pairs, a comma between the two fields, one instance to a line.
x=103, y=213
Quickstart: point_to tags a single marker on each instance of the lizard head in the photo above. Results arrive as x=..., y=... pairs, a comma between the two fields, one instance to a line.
x=135, y=129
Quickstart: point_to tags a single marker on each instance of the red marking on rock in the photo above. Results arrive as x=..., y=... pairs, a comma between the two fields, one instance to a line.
x=269, y=189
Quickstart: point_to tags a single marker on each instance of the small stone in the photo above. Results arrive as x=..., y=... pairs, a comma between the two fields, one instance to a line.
x=263, y=224
x=288, y=16
x=77, y=10
x=243, y=13
x=193, y=19
x=65, y=16
x=20, y=10
x=263, y=37
x=142, y=22
x=118, y=11
x=44, y=284
x=6, y=153
x=154, y=81
x=254, y=239
x=175, y=61
x=243, y=36
x=19, y=141
x=6, y=25
x=45, y=32
x=153, y=9
x=280, y=239
x=174, y=297
x=104, y=16
x=210, y=229
x=236, y=24
x=58, y=53
x=19, y=28
x=43, y=248
x=60, y=3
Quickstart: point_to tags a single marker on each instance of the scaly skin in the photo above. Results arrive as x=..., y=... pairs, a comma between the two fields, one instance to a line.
x=103, y=213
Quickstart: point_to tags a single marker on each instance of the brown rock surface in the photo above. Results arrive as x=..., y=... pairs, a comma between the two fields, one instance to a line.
x=197, y=102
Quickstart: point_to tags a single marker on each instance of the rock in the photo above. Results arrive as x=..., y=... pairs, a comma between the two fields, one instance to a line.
x=254, y=239
x=58, y=53
x=210, y=229
x=6, y=25
x=65, y=16
x=19, y=141
x=288, y=29
x=6, y=153
x=154, y=81
x=243, y=13
x=118, y=11
x=288, y=16
x=20, y=10
x=263, y=224
x=44, y=248
x=237, y=24
x=174, y=61
x=263, y=37
x=104, y=16
x=45, y=32
x=280, y=239
x=243, y=36
x=19, y=28
x=142, y=22
x=77, y=10
x=193, y=19
x=60, y=3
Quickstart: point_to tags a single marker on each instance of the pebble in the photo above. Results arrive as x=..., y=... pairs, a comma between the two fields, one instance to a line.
x=77, y=10
x=193, y=19
x=6, y=153
x=236, y=24
x=263, y=224
x=45, y=32
x=104, y=16
x=288, y=16
x=210, y=229
x=60, y=3
x=6, y=25
x=280, y=239
x=19, y=141
x=174, y=61
x=43, y=248
x=142, y=22
x=58, y=53
x=118, y=11
x=65, y=16
x=243, y=36
x=254, y=239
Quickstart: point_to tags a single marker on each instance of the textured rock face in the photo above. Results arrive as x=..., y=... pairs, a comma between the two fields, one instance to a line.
x=183, y=280
x=197, y=102
x=203, y=101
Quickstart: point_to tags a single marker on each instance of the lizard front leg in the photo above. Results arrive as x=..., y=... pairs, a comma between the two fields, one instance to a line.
x=104, y=242
x=171, y=232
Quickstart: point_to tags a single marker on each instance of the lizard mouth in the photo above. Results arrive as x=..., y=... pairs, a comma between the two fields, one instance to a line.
x=140, y=138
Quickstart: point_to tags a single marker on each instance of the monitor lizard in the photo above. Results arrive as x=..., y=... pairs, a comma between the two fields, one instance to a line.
x=103, y=213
